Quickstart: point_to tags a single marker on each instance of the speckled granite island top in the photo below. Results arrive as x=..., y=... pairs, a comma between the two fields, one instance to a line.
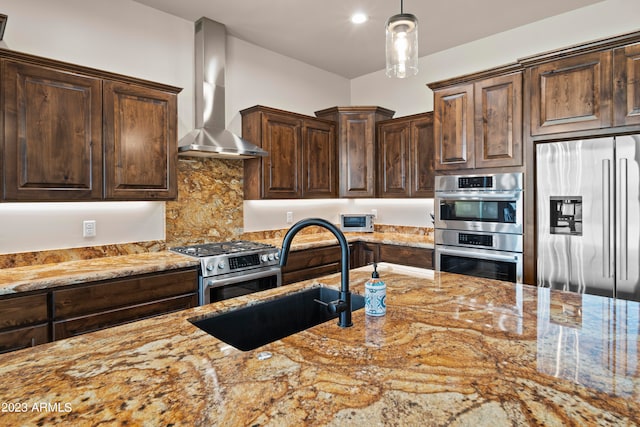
x=452, y=350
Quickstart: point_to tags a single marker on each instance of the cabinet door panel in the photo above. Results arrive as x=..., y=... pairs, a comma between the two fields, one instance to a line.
x=357, y=155
x=52, y=134
x=94, y=322
x=93, y=298
x=140, y=143
x=626, y=71
x=571, y=94
x=23, y=310
x=453, y=127
x=319, y=160
x=498, y=110
x=422, y=156
x=393, y=155
x=17, y=339
x=282, y=169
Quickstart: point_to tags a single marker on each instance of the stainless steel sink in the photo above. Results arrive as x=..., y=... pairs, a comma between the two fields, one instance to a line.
x=251, y=327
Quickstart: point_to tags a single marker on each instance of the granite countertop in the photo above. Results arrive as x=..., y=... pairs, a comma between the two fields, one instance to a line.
x=451, y=350
x=40, y=277
x=37, y=277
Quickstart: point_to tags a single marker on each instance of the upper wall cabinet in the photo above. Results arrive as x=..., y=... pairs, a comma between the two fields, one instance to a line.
x=589, y=88
x=71, y=133
x=302, y=155
x=356, y=147
x=626, y=91
x=52, y=134
x=571, y=94
x=405, y=156
x=139, y=142
x=478, y=120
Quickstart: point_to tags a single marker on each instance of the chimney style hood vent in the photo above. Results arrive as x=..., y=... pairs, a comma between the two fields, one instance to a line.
x=210, y=138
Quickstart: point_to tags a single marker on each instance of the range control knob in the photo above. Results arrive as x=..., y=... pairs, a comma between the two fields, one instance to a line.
x=270, y=257
x=210, y=267
x=277, y=255
x=264, y=258
x=221, y=265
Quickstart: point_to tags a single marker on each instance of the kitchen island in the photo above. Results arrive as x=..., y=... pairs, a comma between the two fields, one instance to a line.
x=452, y=350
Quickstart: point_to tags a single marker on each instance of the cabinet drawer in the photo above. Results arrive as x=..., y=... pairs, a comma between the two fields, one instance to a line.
x=18, y=339
x=121, y=293
x=310, y=273
x=414, y=257
x=308, y=258
x=94, y=322
x=24, y=310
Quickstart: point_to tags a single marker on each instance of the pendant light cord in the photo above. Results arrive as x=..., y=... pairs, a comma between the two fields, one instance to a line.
x=401, y=6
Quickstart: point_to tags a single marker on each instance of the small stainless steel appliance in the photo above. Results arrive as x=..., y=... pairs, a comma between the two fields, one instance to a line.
x=231, y=269
x=479, y=224
x=357, y=222
x=588, y=204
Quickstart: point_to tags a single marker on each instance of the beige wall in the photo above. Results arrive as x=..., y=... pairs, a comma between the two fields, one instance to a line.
x=410, y=96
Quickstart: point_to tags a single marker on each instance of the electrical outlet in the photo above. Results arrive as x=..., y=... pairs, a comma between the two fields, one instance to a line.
x=89, y=228
x=374, y=212
x=289, y=217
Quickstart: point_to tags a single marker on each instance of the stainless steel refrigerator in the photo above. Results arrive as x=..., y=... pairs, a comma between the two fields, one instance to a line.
x=588, y=216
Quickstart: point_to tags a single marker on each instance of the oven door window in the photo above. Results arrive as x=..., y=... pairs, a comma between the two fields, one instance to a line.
x=501, y=211
x=488, y=269
x=237, y=289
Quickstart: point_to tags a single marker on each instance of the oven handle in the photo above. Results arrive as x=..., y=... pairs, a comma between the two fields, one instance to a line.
x=216, y=282
x=484, y=195
x=485, y=255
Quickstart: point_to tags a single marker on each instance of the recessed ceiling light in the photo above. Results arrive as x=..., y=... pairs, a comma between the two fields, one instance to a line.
x=359, y=18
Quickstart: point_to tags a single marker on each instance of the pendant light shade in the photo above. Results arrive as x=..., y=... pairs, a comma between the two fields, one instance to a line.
x=402, y=45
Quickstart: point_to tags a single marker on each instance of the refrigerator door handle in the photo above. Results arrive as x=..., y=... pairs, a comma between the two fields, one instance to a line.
x=623, y=218
x=606, y=217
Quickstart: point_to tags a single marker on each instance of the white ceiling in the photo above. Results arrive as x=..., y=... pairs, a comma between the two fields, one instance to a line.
x=319, y=32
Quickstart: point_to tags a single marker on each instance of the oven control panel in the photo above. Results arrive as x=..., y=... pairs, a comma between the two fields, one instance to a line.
x=475, y=239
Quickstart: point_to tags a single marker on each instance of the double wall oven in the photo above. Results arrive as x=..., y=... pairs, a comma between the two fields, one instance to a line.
x=231, y=269
x=479, y=224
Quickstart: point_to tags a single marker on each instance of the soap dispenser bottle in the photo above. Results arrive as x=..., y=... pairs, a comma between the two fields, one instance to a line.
x=375, y=295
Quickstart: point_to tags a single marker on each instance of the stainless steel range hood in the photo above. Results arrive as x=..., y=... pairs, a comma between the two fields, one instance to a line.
x=210, y=138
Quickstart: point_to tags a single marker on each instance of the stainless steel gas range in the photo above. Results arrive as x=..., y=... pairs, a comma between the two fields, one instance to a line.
x=231, y=269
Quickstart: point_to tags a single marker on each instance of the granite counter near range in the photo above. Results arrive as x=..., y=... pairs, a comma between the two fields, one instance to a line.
x=452, y=350
x=39, y=277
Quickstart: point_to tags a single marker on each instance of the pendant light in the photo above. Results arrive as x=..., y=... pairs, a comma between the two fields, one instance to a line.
x=402, y=45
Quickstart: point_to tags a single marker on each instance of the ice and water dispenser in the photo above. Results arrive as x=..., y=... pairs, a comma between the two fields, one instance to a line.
x=566, y=215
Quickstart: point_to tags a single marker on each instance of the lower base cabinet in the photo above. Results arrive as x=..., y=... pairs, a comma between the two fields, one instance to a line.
x=24, y=321
x=317, y=262
x=29, y=320
x=91, y=307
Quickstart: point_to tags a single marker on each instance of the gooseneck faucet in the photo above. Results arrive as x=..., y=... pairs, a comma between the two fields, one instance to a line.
x=343, y=305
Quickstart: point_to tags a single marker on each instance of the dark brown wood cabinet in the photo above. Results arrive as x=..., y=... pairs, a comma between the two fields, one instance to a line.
x=570, y=94
x=498, y=121
x=478, y=120
x=311, y=263
x=453, y=127
x=93, y=306
x=626, y=90
x=24, y=321
x=405, y=156
x=406, y=255
x=72, y=133
x=302, y=155
x=317, y=262
x=52, y=134
x=356, y=127
x=140, y=142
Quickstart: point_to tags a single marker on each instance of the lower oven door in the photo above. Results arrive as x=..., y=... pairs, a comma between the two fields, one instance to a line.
x=490, y=264
x=213, y=289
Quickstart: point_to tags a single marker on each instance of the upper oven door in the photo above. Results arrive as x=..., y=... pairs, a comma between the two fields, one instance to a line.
x=492, y=211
